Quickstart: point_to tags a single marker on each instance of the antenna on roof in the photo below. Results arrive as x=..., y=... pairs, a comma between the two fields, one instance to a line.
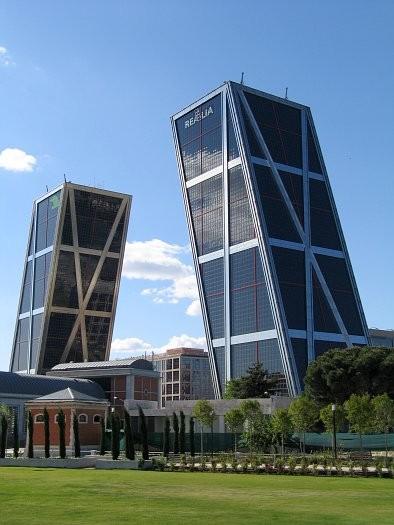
x=46, y=187
x=64, y=177
x=242, y=77
x=286, y=97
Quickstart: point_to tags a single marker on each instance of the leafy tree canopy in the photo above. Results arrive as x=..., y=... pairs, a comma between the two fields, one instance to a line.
x=303, y=413
x=204, y=412
x=256, y=383
x=234, y=419
x=326, y=416
x=339, y=373
x=360, y=414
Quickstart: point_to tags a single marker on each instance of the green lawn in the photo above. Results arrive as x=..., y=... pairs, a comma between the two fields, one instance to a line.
x=57, y=496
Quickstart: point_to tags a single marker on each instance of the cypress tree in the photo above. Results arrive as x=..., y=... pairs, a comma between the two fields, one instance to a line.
x=175, y=426
x=144, y=434
x=61, y=421
x=102, y=437
x=191, y=437
x=16, y=436
x=3, y=440
x=47, y=440
x=166, y=438
x=114, y=436
x=30, y=432
x=130, y=452
x=182, y=432
x=77, y=444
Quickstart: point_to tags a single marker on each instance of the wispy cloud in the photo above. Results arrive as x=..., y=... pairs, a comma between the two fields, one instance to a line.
x=17, y=160
x=133, y=347
x=5, y=59
x=157, y=260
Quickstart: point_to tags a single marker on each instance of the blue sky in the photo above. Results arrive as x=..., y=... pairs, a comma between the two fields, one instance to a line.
x=87, y=89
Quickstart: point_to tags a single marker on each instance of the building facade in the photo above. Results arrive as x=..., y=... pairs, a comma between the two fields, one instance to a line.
x=381, y=337
x=87, y=409
x=121, y=379
x=71, y=278
x=185, y=374
x=274, y=275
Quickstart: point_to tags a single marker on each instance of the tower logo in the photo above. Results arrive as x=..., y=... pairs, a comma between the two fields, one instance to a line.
x=198, y=115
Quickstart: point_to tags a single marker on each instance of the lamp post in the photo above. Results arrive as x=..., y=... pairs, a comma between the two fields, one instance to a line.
x=334, y=431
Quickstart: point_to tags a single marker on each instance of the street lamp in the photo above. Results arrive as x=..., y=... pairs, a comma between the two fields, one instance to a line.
x=334, y=430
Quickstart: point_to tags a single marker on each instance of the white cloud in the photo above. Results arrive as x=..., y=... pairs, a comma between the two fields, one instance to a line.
x=134, y=347
x=157, y=260
x=194, y=308
x=5, y=59
x=14, y=159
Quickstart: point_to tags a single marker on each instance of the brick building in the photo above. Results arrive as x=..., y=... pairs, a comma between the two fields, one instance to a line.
x=88, y=409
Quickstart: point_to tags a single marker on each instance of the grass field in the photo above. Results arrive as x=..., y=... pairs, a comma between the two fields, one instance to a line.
x=57, y=497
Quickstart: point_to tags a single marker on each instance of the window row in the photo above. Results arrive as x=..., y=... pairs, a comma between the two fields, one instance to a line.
x=82, y=418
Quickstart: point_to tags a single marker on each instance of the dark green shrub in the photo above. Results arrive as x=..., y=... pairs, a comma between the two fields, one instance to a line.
x=182, y=433
x=47, y=440
x=175, y=426
x=16, y=436
x=129, y=439
x=77, y=444
x=166, y=438
x=30, y=435
x=3, y=435
x=61, y=421
x=144, y=434
x=191, y=437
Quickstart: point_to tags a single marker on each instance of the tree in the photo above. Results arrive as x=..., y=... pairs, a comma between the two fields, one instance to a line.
x=339, y=373
x=115, y=436
x=47, y=439
x=256, y=383
x=129, y=445
x=3, y=434
x=182, y=434
x=61, y=421
x=175, y=426
x=282, y=425
x=383, y=408
x=204, y=412
x=16, y=436
x=77, y=444
x=359, y=413
x=234, y=420
x=257, y=435
x=144, y=434
x=303, y=413
x=326, y=417
x=191, y=437
x=30, y=435
x=166, y=438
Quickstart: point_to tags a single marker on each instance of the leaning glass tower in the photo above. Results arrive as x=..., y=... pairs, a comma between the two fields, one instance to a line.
x=71, y=278
x=274, y=275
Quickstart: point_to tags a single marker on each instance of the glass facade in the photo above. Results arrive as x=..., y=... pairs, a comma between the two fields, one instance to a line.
x=71, y=276
x=269, y=251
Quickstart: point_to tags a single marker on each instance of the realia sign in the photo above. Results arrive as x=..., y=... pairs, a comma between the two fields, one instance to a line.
x=198, y=115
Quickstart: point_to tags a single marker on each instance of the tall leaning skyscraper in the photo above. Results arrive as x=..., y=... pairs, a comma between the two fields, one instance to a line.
x=274, y=275
x=71, y=278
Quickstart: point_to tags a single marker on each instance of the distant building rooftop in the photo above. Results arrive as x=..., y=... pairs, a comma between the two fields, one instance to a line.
x=12, y=383
x=381, y=333
x=115, y=363
x=69, y=394
x=177, y=352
